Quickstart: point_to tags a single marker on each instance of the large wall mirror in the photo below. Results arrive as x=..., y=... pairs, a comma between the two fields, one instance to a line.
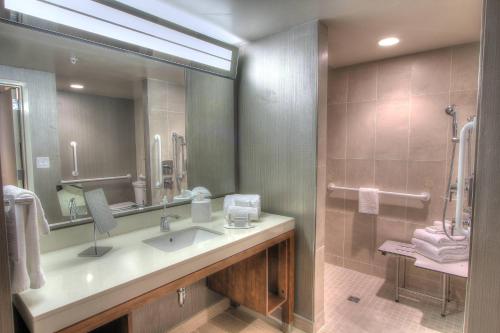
x=77, y=116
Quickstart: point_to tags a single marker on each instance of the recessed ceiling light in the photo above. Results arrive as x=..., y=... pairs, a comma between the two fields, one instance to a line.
x=390, y=41
x=77, y=86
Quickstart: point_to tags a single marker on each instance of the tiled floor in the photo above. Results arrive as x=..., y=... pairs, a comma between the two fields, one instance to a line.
x=376, y=312
x=237, y=321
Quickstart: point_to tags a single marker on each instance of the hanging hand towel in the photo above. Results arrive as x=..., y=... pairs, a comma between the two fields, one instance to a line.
x=368, y=201
x=24, y=224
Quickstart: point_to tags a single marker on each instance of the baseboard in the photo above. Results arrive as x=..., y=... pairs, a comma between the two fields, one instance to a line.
x=303, y=324
x=201, y=317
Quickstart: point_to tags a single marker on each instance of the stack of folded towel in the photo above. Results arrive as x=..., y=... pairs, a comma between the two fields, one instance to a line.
x=432, y=243
x=242, y=207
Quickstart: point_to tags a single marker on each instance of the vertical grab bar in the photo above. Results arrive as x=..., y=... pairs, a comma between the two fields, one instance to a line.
x=159, y=173
x=184, y=162
x=75, y=172
x=460, y=179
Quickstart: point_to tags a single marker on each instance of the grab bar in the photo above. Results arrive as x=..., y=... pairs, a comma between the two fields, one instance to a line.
x=159, y=172
x=93, y=180
x=19, y=201
x=424, y=196
x=460, y=178
x=73, y=145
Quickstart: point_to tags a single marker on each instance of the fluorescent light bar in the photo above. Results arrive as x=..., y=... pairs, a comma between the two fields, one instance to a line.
x=108, y=22
x=185, y=19
x=76, y=86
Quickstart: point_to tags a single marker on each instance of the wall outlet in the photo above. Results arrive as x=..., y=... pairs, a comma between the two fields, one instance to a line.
x=42, y=162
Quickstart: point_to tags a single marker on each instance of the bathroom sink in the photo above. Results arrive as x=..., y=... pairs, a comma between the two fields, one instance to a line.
x=174, y=241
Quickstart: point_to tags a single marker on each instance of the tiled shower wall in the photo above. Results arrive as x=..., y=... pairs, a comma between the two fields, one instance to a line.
x=387, y=129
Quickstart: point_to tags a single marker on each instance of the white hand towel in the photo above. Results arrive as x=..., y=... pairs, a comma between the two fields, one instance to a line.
x=242, y=200
x=24, y=224
x=439, y=240
x=443, y=254
x=368, y=200
x=241, y=213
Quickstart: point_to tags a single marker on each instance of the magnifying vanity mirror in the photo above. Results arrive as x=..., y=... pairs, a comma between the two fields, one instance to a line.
x=142, y=130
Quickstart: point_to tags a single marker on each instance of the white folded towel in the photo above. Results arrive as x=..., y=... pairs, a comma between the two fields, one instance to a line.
x=437, y=227
x=439, y=240
x=242, y=200
x=368, y=200
x=441, y=254
x=23, y=225
x=242, y=213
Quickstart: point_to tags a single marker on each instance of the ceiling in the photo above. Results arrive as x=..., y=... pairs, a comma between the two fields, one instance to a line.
x=355, y=26
x=103, y=71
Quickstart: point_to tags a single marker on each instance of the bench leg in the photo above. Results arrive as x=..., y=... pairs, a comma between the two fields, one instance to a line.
x=396, y=298
x=444, y=299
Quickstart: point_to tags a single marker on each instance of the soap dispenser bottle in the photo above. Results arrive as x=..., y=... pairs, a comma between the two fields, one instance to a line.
x=201, y=209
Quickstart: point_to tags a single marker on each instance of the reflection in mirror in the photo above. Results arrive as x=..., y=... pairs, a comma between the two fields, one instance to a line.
x=72, y=201
x=76, y=117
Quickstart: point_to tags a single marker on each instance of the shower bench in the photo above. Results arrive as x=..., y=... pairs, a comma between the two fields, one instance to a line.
x=407, y=251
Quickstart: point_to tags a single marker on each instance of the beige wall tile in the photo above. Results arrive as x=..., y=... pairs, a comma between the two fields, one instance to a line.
x=392, y=129
x=428, y=177
x=465, y=66
x=334, y=230
x=466, y=105
x=334, y=260
x=337, y=130
x=359, y=173
x=358, y=266
x=362, y=83
x=431, y=72
x=359, y=237
x=336, y=169
x=337, y=86
x=429, y=125
x=361, y=130
x=391, y=176
x=394, y=79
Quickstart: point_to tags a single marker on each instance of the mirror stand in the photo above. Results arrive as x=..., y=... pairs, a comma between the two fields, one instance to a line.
x=95, y=251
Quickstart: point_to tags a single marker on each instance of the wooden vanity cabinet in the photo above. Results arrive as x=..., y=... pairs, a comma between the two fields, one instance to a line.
x=260, y=278
x=259, y=282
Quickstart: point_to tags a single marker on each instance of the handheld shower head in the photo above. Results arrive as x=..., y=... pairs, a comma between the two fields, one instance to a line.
x=450, y=110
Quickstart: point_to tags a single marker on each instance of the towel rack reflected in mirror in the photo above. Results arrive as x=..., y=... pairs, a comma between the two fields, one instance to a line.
x=21, y=201
x=424, y=196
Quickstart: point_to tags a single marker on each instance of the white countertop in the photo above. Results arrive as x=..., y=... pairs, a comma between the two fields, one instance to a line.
x=78, y=288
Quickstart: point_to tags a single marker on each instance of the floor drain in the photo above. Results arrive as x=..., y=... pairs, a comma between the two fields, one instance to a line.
x=353, y=299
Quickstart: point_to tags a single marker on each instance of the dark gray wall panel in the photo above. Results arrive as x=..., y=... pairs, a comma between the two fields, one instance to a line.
x=278, y=97
x=483, y=289
x=210, y=132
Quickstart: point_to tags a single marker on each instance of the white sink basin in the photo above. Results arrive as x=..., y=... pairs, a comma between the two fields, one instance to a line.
x=174, y=241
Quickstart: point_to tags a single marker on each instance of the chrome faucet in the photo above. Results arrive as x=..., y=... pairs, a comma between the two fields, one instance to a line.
x=165, y=221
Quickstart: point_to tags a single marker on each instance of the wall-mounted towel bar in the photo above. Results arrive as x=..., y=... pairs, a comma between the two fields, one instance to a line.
x=424, y=196
x=23, y=201
x=93, y=180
